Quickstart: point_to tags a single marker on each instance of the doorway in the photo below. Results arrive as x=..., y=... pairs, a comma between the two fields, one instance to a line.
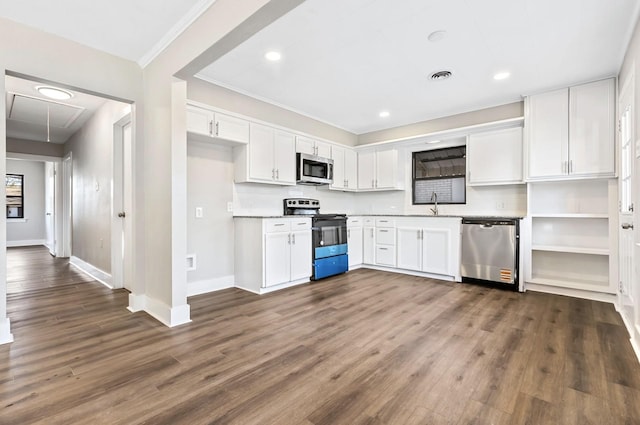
x=122, y=205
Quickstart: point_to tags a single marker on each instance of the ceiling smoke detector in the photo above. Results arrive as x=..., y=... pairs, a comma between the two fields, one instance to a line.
x=440, y=75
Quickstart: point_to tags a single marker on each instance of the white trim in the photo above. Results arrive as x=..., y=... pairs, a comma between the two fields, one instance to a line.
x=274, y=288
x=33, y=157
x=634, y=332
x=575, y=293
x=29, y=242
x=16, y=220
x=209, y=285
x=92, y=271
x=409, y=272
x=137, y=302
x=5, y=331
x=166, y=315
x=175, y=31
x=629, y=36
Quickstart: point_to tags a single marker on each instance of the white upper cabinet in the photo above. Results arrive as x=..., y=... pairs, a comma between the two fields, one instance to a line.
x=380, y=170
x=270, y=157
x=495, y=157
x=345, y=168
x=216, y=127
x=591, y=129
x=570, y=132
x=312, y=147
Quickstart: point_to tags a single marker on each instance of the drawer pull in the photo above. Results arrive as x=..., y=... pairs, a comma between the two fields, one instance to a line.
x=279, y=224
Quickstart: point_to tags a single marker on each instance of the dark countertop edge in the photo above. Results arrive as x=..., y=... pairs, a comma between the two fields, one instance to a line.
x=390, y=215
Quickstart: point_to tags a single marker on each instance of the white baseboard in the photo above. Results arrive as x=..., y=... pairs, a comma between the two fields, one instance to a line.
x=88, y=269
x=29, y=242
x=409, y=272
x=5, y=331
x=209, y=285
x=137, y=303
x=169, y=316
x=575, y=293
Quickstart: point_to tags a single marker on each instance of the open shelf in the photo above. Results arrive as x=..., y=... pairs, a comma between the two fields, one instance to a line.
x=570, y=270
x=571, y=249
x=574, y=198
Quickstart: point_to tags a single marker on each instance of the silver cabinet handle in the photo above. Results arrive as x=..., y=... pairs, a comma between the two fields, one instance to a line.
x=279, y=224
x=383, y=249
x=289, y=239
x=383, y=230
x=211, y=128
x=570, y=166
x=626, y=226
x=277, y=174
x=217, y=127
x=293, y=238
x=372, y=232
x=373, y=183
x=419, y=234
x=348, y=233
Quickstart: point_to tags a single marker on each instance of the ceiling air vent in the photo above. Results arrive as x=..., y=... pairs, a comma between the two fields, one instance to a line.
x=440, y=75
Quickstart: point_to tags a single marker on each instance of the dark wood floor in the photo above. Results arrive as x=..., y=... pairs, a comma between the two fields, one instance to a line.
x=364, y=348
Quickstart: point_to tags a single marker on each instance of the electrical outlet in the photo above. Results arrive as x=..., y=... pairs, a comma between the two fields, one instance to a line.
x=229, y=206
x=101, y=243
x=199, y=212
x=500, y=205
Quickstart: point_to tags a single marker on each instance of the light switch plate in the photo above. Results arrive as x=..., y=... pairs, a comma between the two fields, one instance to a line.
x=199, y=212
x=229, y=206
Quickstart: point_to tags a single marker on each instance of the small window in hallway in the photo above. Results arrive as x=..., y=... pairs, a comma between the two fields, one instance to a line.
x=14, y=185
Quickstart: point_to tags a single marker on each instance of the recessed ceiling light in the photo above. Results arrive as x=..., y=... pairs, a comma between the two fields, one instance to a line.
x=273, y=56
x=384, y=114
x=502, y=75
x=437, y=36
x=54, y=93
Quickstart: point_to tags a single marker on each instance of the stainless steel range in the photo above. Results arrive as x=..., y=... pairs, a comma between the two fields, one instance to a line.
x=329, y=236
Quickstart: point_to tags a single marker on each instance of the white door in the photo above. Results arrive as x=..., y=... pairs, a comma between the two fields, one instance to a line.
x=284, y=152
x=628, y=292
x=366, y=170
x=386, y=167
x=305, y=145
x=591, y=118
x=368, y=245
x=49, y=219
x=231, y=128
x=67, y=199
x=339, y=180
x=323, y=149
x=261, y=164
x=435, y=251
x=301, y=246
x=409, y=247
x=351, y=169
x=199, y=120
x=122, y=211
x=277, y=258
x=354, y=243
x=548, y=127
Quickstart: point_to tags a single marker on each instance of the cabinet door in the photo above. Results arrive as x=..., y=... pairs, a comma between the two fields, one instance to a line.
x=323, y=149
x=368, y=249
x=495, y=157
x=261, y=165
x=285, y=157
x=548, y=127
x=231, y=128
x=337, y=154
x=386, y=255
x=591, y=131
x=277, y=258
x=355, y=245
x=386, y=168
x=199, y=120
x=305, y=145
x=350, y=169
x=409, y=247
x=366, y=170
x=301, y=247
x=435, y=251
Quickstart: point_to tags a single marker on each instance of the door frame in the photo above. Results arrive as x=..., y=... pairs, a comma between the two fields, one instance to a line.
x=121, y=232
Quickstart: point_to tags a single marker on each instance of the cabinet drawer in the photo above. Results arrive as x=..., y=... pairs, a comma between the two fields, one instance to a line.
x=354, y=221
x=277, y=225
x=300, y=224
x=385, y=222
x=369, y=221
x=386, y=255
x=386, y=236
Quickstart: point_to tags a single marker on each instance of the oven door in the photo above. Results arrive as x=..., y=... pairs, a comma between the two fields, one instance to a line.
x=329, y=237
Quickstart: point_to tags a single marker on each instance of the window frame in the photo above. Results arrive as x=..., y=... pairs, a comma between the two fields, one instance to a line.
x=21, y=197
x=413, y=176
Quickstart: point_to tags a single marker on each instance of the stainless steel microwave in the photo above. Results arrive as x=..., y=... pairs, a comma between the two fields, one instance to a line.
x=313, y=169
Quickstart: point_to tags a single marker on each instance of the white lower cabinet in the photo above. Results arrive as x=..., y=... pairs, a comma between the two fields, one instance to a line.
x=355, y=241
x=429, y=245
x=272, y=253
x=368, y=240
x=385, y=236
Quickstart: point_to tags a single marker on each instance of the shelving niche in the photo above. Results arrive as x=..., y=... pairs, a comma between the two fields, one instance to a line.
x=570, y=228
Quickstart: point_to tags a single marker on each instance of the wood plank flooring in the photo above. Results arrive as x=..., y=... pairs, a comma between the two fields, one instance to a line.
x=366, y=347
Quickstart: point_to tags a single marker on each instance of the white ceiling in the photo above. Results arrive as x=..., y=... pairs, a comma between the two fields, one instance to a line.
x=345, y=61
x=135, y=30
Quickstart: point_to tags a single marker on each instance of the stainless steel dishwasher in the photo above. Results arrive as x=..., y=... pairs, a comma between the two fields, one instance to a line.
x=490, y=251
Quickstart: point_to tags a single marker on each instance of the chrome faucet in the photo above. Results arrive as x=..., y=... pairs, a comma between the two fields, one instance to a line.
x=434, y=198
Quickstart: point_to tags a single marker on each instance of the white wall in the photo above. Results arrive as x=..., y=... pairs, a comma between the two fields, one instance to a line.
x=31, y=230
x=92, y=152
